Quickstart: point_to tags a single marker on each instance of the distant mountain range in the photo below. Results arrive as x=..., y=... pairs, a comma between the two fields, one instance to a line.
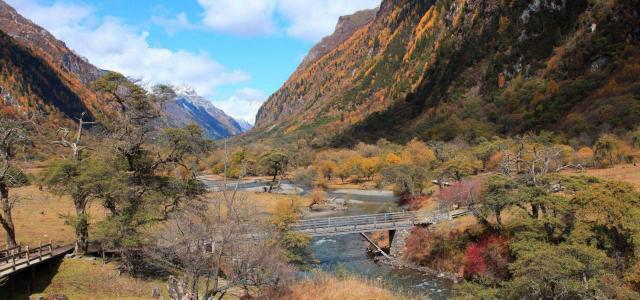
x=39, y=72
x=189, y=107
x=442, y=69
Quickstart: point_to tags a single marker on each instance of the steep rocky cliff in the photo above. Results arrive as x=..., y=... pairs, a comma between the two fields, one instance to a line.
x=442, y=69
x=346, y=27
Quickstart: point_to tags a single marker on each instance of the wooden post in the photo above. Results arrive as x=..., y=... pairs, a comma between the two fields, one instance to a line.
x=28, y=262
x=40, y=250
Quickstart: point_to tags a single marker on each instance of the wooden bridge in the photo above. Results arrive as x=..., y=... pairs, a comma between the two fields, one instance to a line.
x=18, y=258
x=373, y=222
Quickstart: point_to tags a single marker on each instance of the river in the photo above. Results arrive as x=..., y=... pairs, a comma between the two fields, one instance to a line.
x=349, y=252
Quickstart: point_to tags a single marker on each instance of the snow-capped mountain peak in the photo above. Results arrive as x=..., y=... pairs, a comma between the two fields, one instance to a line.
x=188, y=107
x=184, y=90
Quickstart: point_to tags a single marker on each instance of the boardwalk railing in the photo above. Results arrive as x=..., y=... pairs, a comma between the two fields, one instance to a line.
x=369, y=223
x=15, y=258
x=18, y=258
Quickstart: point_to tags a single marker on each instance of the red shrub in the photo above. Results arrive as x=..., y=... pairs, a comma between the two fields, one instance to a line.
x=488, y=257
x=413, y=203
x=460, y=193
x=418, y=245
x=474, y=260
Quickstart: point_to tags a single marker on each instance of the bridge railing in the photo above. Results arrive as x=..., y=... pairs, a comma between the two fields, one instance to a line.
x=413, y=218
x=18, y=256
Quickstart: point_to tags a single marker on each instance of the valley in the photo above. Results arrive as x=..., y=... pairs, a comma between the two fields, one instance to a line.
x=493, y=147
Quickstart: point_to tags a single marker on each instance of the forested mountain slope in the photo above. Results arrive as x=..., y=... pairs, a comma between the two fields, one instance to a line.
x=39, y=73
x=29, y=84
x=53, y=50
x=447, y=68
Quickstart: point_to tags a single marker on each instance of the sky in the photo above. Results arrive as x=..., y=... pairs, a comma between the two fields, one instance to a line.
x=233, y=52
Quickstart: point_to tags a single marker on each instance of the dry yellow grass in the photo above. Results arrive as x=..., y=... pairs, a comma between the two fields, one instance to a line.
x=87, y=279
x=325, y=287
x=349, y=184
x=461, y=224
x=38, y=216
x=269, y=203
x=623, y=172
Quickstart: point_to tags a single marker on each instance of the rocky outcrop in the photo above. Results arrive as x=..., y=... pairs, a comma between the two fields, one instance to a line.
x=346, y=27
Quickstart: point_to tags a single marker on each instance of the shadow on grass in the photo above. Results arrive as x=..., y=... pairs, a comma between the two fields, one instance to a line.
x=22, y=284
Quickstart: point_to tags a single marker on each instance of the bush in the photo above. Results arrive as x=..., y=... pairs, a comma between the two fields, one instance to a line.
x=305, y=177
x=584, y=156
x=318, y=197
x=443, y=252
x=460, y=193
x=488, y=257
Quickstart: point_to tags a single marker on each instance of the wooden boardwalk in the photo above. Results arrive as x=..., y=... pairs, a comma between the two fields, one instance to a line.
x=18, y=258
x=373, y=222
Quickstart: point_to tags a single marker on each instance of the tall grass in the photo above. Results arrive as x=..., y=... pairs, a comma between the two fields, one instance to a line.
x=323, y=286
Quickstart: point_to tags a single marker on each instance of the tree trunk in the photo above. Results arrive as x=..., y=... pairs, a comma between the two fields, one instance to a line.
x=535, y=211
x=498, y=218
x=82, y=228
x=6, y=219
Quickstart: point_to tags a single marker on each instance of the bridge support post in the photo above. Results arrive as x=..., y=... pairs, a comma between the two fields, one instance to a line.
x=392, y=234
x=396, y=241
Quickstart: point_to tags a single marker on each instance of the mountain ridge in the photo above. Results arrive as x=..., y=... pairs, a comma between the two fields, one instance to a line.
x=442, y=69
x=345, y=28
x=31, y=35
x=40, y=73
x=188, y=107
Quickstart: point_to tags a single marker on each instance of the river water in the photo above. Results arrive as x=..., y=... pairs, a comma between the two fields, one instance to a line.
x=349, y=252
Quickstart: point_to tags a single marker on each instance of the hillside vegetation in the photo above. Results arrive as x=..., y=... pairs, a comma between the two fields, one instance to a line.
x=446, y=69
x=30, y=84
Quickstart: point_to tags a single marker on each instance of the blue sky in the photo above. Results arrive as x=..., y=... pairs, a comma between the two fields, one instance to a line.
x=233, y=52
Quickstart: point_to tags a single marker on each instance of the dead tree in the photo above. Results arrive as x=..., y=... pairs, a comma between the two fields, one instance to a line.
x=74, y=145
x=80, y=197
x=226, y=236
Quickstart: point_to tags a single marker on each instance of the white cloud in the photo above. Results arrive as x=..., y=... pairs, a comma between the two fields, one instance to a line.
x=243, y=103
x=250, y=17
x=302, y=19
x=313, y=19
x=56, y=15
x=111, y=44
x=173, y=24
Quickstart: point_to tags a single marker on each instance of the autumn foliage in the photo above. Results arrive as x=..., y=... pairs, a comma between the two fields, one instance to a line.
x=460, y=193
x=487, y=257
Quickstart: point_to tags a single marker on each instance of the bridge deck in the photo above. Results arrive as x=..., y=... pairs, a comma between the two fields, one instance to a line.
x=374, y=222
x=19, y=258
